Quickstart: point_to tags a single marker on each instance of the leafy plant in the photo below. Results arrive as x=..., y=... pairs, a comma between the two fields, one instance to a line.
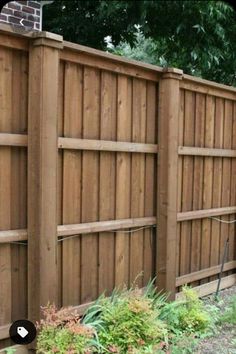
x=63, y=332
x=187, y=314
x=129, y=322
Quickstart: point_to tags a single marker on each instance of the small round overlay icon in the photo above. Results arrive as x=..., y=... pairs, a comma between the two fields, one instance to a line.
x=22, y=332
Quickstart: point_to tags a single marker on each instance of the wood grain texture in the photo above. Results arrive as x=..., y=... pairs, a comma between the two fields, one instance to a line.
x=138, y=180
x=207, y=182
x=107, y=167
x=19, y=184
x=180, y=178
x=90, y=183
x=5, y=186
x=72, y=163
x=226, y=178
x=149, y=240
x=123, y=178
x=217, y=182
x=197, y=182
x=187, y=182
x=42, y=178
x=168, y=120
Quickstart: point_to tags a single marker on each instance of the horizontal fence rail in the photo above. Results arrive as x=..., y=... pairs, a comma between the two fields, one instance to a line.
x=201, y=274
x=103, y=145
x=205, y=213
x=85, y=228
x=197, y=151
x=82, y=144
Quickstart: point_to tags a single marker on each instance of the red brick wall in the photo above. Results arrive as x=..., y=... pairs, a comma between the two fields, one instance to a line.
x=28, y=12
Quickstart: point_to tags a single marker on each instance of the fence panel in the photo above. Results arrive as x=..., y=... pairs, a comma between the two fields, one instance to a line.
x=206, y=181
x=97, y=185
x=13, y=183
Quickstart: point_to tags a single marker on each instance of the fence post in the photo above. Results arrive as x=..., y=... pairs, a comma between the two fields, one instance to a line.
x=168, y=121
x=42, y=171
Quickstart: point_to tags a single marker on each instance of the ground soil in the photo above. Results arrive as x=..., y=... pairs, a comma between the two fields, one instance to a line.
x=224, y=340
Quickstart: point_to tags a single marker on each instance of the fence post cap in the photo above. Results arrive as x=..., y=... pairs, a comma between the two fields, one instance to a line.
x=49, y=39
x=173, y=73
x=48, y=35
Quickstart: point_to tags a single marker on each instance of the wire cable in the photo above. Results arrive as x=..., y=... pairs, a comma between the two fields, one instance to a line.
x=115, y=231
x=222, y=221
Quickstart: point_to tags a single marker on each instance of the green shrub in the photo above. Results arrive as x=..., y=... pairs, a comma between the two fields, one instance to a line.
x=187, y=314
x=62, y=332
x=129, y=322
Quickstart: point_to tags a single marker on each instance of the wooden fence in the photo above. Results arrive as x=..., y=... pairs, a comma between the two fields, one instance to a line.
x=109, y=168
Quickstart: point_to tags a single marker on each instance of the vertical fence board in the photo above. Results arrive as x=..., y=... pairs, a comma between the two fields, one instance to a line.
x=72, y=184
x=187, y=182
x=5, y=185
x=107, y=181
x=180, y=177
x=207, y=183
x=197, y=183
x=123, y=173
x=60, y=115
x=150, y=185
x=19, y=185
x=225, y=228
x=137, y=179
x=217, y=182
x=232, y=253
x=90, y=184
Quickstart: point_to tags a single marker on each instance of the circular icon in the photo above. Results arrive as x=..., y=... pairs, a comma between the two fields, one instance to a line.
x=22, y=332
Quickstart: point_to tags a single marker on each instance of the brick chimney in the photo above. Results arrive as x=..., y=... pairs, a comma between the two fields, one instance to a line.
x=23, y=13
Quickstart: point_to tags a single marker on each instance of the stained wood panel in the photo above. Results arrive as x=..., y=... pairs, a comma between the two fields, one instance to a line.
x=107, y=167
x=19, y=184
x=138, y=180
x=123, y=178
x=213, y=185
x=149, y=239
x=72, y=162
x=90, y=182
x=226, y=178
x=198, y=182
x=187, y=182
x=95, y=185
x=217, y=181
x=13, y=183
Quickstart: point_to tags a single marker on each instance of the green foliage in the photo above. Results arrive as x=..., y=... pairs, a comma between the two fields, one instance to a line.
x=89, y=21
x=62, y=332
x=129, y=322
x=230, y=313
x=196, y=36
x=186, y=315
x=143, y=49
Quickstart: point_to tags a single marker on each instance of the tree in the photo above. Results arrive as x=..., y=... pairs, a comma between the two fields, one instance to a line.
x=88, y=21
x=196, y=36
